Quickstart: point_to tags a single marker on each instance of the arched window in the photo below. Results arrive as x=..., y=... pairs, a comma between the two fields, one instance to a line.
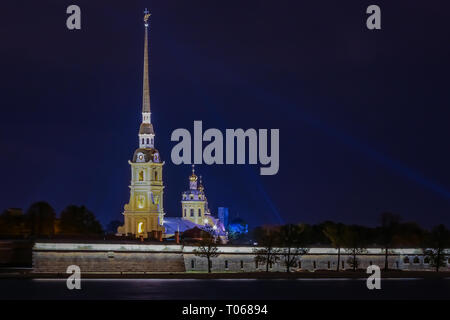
x=141, y=175
x=314, y=264
x=406, y=260
x=192, y=264
x=192, y=212
x=142, y=140
x=226, y=264
x=416, y=260
x=140, y=227
x=199, y=212
x=426, y=260
x=185, y=212
x=329, y=264
x=156, y=175
x=148, y=141
x=242, y=264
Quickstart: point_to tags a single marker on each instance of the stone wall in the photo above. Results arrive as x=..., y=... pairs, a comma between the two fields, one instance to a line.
x=107, y=262
x=139, y=258
x=246, y=263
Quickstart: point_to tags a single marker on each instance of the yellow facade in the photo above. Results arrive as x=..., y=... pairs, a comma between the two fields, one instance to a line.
x=194, y=211
x=144, y=212
x=194, y=205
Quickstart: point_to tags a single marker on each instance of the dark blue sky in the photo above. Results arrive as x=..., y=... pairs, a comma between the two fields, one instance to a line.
x=363, y=115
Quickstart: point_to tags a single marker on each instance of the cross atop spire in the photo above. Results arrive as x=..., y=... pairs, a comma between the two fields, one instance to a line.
x=147, y=15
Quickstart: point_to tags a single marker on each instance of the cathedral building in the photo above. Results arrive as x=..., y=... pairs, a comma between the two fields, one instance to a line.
x=144, y=213
x=195, y=212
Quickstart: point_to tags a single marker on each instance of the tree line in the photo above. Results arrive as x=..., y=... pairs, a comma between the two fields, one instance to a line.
x=40, y=220
x=275, y=244
x=287, y=243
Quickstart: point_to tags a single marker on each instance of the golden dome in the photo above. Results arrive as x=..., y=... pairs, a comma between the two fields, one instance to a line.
x=193, y=177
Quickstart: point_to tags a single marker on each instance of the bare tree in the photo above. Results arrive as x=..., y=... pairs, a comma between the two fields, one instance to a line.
x=354, y=239
x=438, y=241
x=291, y=240
x=335, y=233
x=389, y=226
x=267, y=237
x=207, y=246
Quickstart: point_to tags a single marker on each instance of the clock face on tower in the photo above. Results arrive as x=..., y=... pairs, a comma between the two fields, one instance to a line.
x=156, y=157
x=140, y=157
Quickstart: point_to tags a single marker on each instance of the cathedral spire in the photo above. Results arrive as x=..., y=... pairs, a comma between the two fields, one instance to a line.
x=193, y=179
x=201, y=188
x=146, y=133
x=146, y=88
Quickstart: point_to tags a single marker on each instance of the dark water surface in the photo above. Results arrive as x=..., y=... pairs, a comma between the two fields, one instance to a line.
x=168, y=289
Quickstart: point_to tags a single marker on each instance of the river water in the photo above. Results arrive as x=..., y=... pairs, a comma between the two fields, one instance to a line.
x=235, y=289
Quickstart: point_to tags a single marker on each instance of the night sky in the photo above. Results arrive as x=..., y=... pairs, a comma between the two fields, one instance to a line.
x=363, y=115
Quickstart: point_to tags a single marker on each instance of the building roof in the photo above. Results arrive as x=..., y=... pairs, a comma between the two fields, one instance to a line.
x=173, y=224
x=148, y=154
x=146, y=128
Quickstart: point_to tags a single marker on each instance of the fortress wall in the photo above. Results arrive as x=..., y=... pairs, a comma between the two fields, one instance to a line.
x=116, y=258
x=307, y=262
x=104, y=261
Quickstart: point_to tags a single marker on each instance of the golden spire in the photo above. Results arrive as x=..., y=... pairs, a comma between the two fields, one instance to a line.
x=146, y=87
x=200, y=186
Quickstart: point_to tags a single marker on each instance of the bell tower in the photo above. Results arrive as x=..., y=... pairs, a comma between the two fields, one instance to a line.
x=144, y=213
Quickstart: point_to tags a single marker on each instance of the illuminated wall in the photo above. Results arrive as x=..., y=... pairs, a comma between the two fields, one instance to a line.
x=120, y=257
x=144, y=212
